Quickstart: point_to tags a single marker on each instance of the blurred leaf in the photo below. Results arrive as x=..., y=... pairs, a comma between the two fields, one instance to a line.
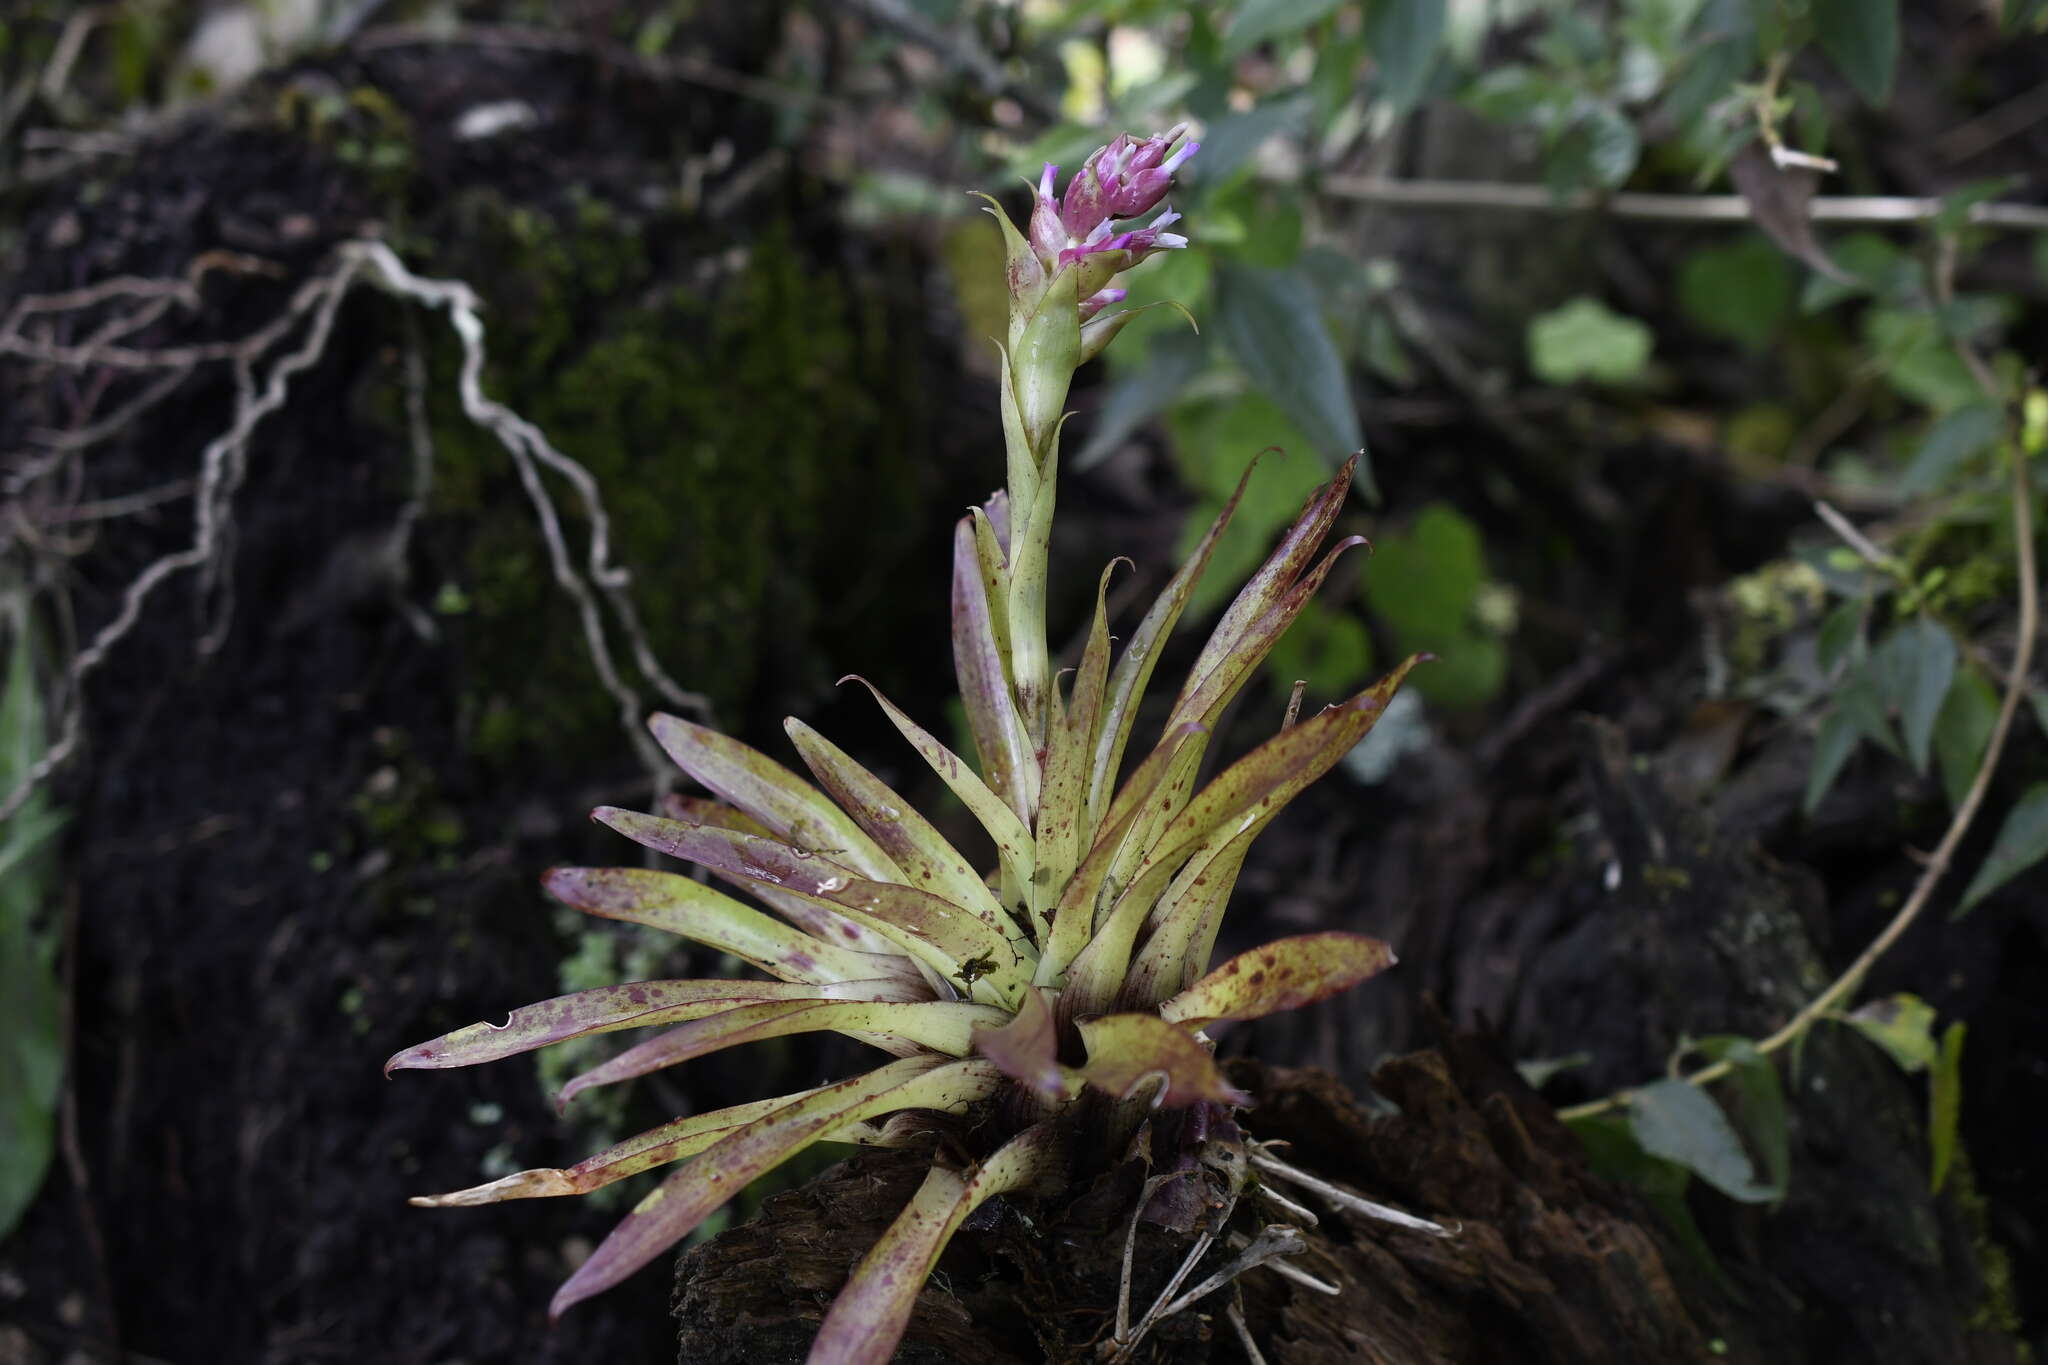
x=1954, y=214
x=1945, y=1104
x=31, y=1017
x=1330, y=650
x=1841, y=637
x=1861, y=37
x=1403, y=36
x=1676, y=1121
x=1135, y=398
x=1951, y=442
x=1742, y=291
x=1902, y=1025
x=1585, y=339
x=1858, y=715
x=1720, y=50
x=1872, y=264
x=1599, y=148
x=1425, y=584
x=1537, y=1072
x=1962, y=731
x=2020, y=15
x=1258, y=20
x=1272, y=322
x=1914, y=667
x=1763, y=1102
x=1918, y=359
x=1230, y=140
x=2022, y=841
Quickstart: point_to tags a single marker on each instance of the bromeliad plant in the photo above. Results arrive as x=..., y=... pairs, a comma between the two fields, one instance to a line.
x=1076, y=966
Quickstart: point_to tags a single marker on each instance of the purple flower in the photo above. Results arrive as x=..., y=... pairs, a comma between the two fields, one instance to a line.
x=1123, y=179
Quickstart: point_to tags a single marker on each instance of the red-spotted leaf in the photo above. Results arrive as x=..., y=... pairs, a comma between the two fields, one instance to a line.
x=677, y=905
x=1240, y=801
x=1283, y=975
x=1134, y=666
x=796, y=811
x=676, y=1206
x=1127, y=1052
x=1282, y=569
x=910, y=840
x=936, y=1025
x=1155, y=789
x=672, y=1141
x=1027, y=1048
x=1207, y=694
x=992, y=717
x=935, y=931
x=869, y=1316
x=642, y=1004
x=1013, y=840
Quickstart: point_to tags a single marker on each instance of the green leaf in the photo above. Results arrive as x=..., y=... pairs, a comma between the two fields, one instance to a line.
x=1720, y=49
x=1127, y=1052
x=1403, y=37
x=1763, y=1103
x=1600, y=148
x=1945, y=1104
x=676, y=1206
x=641, y=1004
x=1961, y=732
x=2022, y=841
x=945, y=1026
x=1902, y=1025
x=909, y=839
x=1585, y=339
x=31, y=1002
x=1918, y=359
x=1013, y=841
x=789, y=806
x=868, y=1318
x=1742, y=291
x=942, y=934
x=1272, y=322
x=1614, y=1153
x=1861, y=37
x=1258, y=20
x=688, y=909
x=1914, y=666
x=1674, y=1120
x=1841, y=638
x=980, y=626
x=1950, y=443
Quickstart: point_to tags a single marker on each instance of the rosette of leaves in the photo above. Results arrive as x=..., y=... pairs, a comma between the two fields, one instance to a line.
x=1062, y=994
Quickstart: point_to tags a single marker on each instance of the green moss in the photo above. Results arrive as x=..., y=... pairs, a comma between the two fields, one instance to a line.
x=716, y=420
x=1998, y=1311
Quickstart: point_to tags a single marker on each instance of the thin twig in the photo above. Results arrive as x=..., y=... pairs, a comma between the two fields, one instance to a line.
x=1670, y=208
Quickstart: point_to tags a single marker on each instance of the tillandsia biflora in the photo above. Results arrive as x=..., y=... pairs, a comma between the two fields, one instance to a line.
x=1061, y=996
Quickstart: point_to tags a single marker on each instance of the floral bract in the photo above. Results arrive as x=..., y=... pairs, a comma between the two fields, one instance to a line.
x=1076, y=965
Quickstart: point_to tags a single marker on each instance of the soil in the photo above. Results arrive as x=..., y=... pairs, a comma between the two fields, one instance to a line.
x=297, y=853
